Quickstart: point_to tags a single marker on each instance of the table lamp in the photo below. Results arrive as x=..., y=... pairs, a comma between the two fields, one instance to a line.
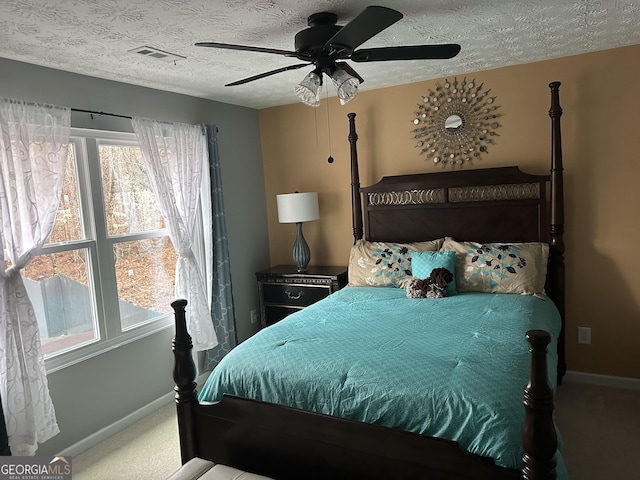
x=298, y=208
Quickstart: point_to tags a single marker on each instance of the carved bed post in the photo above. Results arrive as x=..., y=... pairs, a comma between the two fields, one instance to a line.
x=184, y=376
x=539, y=441
x=356, y=199
x=556, y=246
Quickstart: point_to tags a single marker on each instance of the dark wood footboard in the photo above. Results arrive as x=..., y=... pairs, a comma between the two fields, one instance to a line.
x=539, y=440
x=184, y=377
x=286, y=443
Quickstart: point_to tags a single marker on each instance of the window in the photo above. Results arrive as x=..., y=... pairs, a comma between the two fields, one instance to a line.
x=106, y=274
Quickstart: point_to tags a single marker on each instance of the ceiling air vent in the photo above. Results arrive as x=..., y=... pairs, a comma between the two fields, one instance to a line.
x=157, y=53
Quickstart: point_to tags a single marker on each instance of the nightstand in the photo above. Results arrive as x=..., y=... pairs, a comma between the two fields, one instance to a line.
x=283, y=290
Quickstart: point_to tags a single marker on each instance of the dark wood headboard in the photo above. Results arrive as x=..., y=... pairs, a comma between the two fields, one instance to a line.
x=483, y=205
x=488, y=205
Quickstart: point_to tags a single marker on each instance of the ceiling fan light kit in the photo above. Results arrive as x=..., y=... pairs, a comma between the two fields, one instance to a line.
x=325, y=45
x=308, y=90
x=346, y=85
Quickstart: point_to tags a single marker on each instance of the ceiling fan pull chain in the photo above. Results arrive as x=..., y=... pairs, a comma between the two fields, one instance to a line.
x=315, y=121
x=330, y=159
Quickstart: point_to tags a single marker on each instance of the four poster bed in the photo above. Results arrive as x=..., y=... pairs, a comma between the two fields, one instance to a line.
x=454, y=380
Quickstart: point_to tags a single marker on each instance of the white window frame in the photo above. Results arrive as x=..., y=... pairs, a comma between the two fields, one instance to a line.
x=101, y=272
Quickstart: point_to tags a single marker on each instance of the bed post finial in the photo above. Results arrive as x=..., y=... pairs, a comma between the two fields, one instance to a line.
x=356, y=200
x=184, y=376
x=539, y=440
x=556, y=245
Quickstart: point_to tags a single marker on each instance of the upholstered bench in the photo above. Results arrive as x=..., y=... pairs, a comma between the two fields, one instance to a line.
x=199, y=469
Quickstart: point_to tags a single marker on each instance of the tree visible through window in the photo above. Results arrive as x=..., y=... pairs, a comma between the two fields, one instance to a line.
x=109, y=265
x=145, y=268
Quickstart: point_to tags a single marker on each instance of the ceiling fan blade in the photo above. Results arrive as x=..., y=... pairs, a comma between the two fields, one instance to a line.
x=408, y=52
x=267, y=74
x=230, y=46
x=367, y=24
x=349, y=69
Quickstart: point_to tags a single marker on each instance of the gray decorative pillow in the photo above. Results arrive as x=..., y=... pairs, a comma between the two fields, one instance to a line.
x=383, y=264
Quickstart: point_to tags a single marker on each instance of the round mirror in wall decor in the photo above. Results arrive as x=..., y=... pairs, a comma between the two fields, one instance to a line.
x=455, y=124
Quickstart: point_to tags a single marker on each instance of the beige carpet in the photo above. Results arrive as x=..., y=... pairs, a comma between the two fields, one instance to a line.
x=600, y=429
x=146, y=450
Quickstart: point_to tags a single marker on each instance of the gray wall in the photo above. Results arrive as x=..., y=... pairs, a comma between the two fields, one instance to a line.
x=102, y=390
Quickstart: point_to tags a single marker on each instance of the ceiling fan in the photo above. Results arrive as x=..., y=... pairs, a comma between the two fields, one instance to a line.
x=326, y=45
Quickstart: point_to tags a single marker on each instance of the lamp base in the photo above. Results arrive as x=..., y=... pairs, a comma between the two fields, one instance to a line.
x=301, y=252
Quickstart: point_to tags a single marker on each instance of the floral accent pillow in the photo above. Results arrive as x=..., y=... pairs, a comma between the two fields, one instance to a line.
x=499, y=267
x=383, y=264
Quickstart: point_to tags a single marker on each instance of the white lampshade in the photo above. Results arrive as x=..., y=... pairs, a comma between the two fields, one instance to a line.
x=298, y=207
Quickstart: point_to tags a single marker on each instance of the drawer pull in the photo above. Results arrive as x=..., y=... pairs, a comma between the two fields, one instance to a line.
x=292, y=296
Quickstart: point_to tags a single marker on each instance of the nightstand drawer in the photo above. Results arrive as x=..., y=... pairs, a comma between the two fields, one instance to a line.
x=294, y=295
x=275, y=313
x=283, y=290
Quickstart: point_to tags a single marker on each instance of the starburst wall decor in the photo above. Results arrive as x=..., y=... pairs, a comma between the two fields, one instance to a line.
x=456, y=123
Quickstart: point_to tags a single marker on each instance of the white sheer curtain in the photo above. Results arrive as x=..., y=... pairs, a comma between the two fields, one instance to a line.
x=175, y=156
x=33, y=154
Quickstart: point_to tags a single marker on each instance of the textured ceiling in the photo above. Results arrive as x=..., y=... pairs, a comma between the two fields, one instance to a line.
x=94, y=38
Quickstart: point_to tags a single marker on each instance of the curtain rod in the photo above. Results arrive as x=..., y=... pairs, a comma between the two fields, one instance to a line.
x=92, y=112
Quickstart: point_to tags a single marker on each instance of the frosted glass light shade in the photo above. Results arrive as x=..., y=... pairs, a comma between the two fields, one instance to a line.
x=346, y=85
x=298, y=207
x=308, y=90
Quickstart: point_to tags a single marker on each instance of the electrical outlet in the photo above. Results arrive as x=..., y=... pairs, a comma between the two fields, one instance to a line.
x=254, y=316
x=584, y=335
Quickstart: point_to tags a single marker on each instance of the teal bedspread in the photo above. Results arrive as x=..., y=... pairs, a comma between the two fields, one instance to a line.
x=453, y=368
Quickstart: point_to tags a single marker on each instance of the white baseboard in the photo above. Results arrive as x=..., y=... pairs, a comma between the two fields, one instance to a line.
x=106, y=432
x=602, y=380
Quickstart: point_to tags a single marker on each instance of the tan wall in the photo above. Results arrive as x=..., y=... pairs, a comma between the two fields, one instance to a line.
x=601, y=139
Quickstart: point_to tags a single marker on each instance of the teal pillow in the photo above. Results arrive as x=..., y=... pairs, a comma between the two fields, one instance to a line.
x=423, y=263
